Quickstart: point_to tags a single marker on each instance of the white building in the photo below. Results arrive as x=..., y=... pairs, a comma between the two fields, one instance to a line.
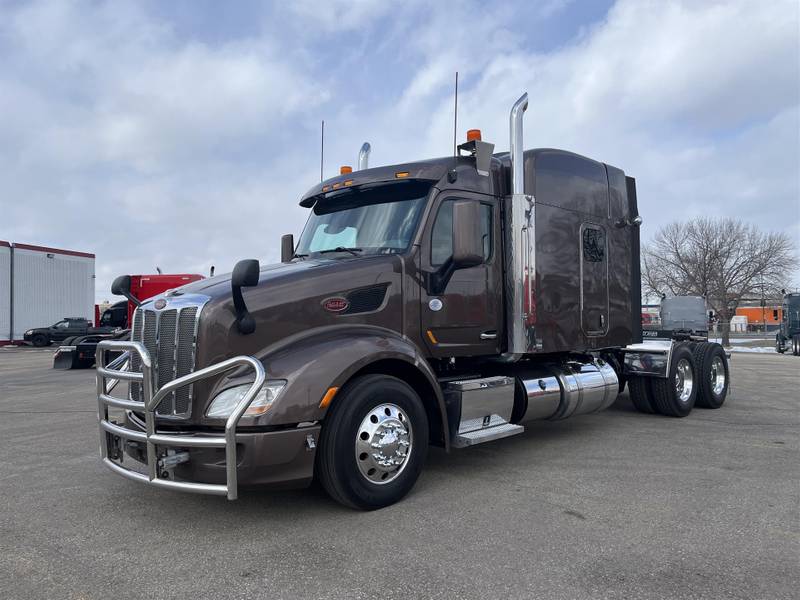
x=40, y=285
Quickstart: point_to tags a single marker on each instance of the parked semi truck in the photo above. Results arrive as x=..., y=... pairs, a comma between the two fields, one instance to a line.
x=79, y=349
x=441, y=302
x=788, y=336
x=681, y=318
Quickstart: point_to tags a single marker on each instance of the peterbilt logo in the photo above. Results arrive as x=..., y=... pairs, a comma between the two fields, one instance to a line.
x=336, y=305
x=160, y=303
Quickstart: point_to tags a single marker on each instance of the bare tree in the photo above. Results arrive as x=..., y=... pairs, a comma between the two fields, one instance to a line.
x=723, y=260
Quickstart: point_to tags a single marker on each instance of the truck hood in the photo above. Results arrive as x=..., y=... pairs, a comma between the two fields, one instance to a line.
x=291, y=299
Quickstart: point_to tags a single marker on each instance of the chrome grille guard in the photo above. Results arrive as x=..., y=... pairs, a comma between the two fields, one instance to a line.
x=110, y=374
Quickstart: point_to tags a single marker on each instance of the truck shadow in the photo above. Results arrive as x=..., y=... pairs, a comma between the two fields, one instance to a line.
x=257, y=507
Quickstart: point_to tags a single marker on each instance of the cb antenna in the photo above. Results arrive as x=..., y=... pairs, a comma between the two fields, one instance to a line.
x=455, y=119
x=322, y=150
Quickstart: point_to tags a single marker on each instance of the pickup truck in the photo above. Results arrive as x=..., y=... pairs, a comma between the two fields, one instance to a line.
x=66, y=328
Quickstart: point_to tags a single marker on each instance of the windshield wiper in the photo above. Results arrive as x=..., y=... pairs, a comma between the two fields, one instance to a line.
x=353, y=251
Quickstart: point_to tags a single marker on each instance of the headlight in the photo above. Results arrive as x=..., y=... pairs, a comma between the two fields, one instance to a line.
x=29, y=332
x=226, y=401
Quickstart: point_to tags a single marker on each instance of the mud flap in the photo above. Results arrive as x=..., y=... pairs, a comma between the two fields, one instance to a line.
x=66, y=357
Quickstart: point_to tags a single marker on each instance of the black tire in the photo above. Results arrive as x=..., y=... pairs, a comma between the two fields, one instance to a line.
x=337, y=465
x=666, y=398
x=709, y=358
x=40, y=340
x=639, y=388
x=779, y=347
x=68, y=341
x=796, y=345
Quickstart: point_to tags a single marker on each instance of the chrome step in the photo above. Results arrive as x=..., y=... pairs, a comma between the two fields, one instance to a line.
x=487, y=434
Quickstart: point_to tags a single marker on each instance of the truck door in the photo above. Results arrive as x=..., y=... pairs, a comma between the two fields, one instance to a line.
x=594, y=280
x=466, y=318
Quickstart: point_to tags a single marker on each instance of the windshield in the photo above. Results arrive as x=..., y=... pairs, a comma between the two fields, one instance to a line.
x=380, y=220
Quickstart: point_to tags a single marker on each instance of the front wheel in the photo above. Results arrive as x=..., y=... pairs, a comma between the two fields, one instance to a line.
x=373, y=443
x=40, y=340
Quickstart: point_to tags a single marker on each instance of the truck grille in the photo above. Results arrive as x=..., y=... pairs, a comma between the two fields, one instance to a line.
x=169, y=336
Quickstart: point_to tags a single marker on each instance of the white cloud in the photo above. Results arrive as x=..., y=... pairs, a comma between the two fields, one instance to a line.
x=125, y=136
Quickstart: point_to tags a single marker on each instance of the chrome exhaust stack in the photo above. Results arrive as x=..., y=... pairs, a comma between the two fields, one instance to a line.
x=363, y=156
x=516, y=146
x=520, y=254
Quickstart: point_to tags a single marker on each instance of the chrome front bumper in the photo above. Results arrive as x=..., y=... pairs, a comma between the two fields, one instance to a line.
x=110, y=374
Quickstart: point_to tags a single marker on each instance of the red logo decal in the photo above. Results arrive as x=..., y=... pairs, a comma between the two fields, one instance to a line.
x=337, y=304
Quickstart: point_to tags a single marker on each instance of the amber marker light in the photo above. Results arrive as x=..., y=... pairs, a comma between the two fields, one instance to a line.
x=432, y=337
x=401, y=174
x=328, y=397
x=473, y=134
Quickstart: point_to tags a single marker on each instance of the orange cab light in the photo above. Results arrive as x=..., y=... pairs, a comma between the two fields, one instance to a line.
x=473, y=134
x=345, y=169
x=401, y=174
x=325, y=188
x=432, y=337
x=328, y=397
x=348, y=182
x=336, y=186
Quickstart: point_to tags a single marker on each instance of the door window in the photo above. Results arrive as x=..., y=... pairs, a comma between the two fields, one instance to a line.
x=442, y=233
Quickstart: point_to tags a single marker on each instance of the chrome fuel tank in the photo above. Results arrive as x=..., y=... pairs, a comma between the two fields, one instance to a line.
x=558, y=391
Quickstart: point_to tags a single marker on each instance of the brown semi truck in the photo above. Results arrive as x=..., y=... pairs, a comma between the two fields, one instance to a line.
x=443, y=302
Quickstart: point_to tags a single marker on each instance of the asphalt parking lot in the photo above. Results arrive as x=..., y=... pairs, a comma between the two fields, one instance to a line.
x=615, y=505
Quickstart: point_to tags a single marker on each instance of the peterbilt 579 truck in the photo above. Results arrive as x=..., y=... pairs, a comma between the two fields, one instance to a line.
x=442, y=302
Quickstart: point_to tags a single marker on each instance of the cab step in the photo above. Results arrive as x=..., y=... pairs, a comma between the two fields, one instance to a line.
x=479, y=410
x=488, y=434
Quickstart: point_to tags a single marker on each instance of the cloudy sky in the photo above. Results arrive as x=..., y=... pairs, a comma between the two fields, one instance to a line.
x=182, y=134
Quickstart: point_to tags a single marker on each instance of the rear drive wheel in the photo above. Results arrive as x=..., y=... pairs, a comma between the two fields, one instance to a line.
x=779, y=347
x=641, y=396
x=675, y=396
x=373, y=443
x=796, y=345
x=713, y=375
x=40, y=340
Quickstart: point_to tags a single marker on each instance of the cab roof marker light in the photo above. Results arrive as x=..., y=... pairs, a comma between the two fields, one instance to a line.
x=401, y=174
x=473, y=134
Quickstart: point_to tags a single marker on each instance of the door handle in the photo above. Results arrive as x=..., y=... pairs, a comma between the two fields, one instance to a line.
x=489, y=335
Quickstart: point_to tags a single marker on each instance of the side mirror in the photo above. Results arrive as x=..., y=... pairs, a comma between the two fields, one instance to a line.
x=287, y=248
x=245, y=274
x=467, y=235
x=122, y=287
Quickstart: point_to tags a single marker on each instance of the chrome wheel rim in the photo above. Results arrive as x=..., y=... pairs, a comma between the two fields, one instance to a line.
x=684, y=380
x=717, y=375
x=383, y=444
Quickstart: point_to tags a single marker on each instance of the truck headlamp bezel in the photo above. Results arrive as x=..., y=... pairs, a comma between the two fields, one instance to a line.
x=227, y=400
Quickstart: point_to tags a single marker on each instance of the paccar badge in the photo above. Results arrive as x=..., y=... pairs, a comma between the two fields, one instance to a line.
x=336, y=305
x=160, y=303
